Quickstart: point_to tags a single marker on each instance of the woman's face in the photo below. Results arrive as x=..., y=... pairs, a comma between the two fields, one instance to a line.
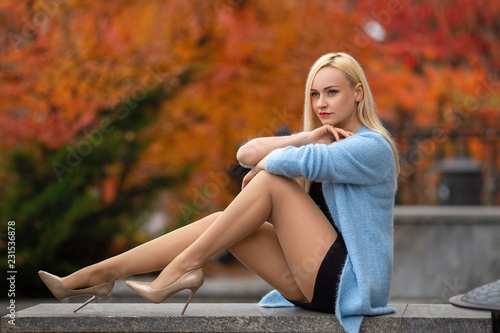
x=334, y=100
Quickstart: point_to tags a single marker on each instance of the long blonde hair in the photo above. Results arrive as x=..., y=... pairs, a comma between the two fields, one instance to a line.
x=366, y=107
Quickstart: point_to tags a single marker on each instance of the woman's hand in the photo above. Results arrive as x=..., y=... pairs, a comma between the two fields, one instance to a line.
x=248, y=177
x=253, y=172
x=328, y=134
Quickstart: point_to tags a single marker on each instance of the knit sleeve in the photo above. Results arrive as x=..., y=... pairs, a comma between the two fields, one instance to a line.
x=362, y=159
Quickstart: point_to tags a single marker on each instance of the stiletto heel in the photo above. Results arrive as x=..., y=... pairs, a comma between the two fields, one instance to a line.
x=193, y=291
x=93, y=298
x=56, y=286
x=192, y=280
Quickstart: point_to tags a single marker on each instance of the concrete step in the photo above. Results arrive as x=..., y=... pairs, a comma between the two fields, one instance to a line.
x=234, y=317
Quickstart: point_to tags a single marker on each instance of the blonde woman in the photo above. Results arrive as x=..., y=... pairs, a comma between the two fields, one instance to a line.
x=324, y=245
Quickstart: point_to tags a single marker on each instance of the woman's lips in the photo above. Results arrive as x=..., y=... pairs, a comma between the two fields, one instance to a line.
x=324, y=114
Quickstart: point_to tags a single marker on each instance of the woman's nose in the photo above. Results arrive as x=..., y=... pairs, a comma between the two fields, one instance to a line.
x=321, y=102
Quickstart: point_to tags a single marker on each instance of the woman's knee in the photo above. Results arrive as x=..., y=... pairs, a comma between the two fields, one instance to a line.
x=276, y=183
x=274, y=180
x=215, y=215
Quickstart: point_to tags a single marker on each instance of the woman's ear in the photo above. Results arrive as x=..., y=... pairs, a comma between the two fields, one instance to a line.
x=358, y=90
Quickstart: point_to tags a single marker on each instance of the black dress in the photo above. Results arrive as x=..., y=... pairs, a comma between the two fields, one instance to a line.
x=327, y=280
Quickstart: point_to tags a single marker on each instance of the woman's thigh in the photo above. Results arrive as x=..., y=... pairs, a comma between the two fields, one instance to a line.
x=288, y=252
x=262, y=253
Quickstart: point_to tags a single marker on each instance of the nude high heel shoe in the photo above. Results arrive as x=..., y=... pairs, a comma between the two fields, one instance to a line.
x=56, y=286
x=192, y=280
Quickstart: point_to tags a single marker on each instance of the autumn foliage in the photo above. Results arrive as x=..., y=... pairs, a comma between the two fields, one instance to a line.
x=225, y=71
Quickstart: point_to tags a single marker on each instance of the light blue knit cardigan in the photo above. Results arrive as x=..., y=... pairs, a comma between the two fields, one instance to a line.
x=359, y=184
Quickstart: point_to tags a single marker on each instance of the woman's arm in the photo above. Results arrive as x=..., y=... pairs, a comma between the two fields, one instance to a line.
x=255, y=150
x=364, y=159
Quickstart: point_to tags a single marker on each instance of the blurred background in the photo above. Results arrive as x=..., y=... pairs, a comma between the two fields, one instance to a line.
x=120, y=120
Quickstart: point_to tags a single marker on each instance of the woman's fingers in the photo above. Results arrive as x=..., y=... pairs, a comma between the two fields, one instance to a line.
x=328, y=134
x=335, y=134
x=248, y=177
x=338, y=132
x=344, y=133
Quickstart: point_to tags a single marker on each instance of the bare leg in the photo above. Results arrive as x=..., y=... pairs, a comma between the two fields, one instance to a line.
x=148, y=257
x=253, y=251
x=262, y=253
x=303, y=233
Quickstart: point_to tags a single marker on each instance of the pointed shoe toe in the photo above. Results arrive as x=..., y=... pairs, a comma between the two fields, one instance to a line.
x=56, y=286
x=192, y=280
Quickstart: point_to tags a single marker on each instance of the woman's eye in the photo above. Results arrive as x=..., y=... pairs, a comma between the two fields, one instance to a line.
x=314, y=94
x=332, y=92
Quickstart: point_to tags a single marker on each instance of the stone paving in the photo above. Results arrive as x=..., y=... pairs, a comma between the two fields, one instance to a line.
x=235, y=317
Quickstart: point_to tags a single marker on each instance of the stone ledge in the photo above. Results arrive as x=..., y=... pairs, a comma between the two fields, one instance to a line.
x=448, y=215
x=237, y=317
